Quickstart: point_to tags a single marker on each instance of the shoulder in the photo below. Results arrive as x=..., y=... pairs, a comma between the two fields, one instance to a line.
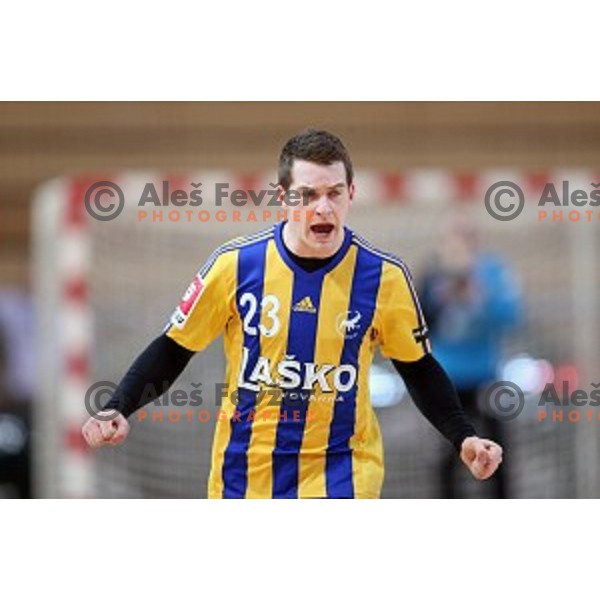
x=493, y=265
x=497, y=273
x=260, y=237
x=225, y=254
x=391, y=264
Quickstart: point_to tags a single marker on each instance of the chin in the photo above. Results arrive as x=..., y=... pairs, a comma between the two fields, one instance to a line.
x=322, y=248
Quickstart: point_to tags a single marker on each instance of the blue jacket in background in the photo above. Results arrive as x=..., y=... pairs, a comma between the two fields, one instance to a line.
x=467, y=336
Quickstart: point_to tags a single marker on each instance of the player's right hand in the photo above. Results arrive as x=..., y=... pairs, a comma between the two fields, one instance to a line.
x=108, y=427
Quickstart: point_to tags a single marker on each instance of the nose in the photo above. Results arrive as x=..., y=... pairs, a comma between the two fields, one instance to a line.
x=323, y=206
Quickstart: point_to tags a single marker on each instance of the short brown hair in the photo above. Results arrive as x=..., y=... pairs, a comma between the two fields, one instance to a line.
x=313, y=145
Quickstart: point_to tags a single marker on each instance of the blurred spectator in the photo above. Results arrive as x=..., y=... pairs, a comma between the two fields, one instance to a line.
x=17, y=324
x=15, y=446
x=471, y=301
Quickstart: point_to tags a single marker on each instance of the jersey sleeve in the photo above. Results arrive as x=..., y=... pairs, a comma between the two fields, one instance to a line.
x=401, y=327
x=207, y=304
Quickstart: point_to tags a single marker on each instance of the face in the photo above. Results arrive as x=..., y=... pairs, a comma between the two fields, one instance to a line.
x=319, y=232
x=457, y=244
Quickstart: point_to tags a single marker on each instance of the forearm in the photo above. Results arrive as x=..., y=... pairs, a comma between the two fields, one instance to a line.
x=150, y=376
x=435, y=396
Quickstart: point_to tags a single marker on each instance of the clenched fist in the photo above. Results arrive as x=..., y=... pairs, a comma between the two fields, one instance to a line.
x=107, y=427
x=481, y=456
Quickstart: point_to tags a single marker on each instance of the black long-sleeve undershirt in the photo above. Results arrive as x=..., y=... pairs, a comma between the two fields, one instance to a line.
x=151, y=375
x=435, y=396
x=161, y=363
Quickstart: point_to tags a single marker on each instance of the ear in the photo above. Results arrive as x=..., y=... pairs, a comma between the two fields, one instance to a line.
x=351, y=192
x=280, y=194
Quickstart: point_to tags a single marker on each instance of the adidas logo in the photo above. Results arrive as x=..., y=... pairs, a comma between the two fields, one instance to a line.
x=305, y=305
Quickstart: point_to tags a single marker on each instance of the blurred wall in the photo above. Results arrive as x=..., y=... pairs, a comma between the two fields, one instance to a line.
x=41, y=140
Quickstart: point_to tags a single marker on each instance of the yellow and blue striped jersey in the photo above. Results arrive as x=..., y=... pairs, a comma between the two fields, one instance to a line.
x=299, y=345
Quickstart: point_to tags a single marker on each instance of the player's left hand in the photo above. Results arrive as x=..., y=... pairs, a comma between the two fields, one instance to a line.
x=481, y=456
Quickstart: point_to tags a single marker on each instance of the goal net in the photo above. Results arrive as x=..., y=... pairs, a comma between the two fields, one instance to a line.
x=105, y=288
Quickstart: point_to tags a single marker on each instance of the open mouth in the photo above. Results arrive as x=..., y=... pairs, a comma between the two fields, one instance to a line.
x=322, y=229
